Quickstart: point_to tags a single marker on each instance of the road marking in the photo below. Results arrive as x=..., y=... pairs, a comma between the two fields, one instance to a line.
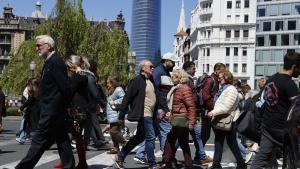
x=43, y=160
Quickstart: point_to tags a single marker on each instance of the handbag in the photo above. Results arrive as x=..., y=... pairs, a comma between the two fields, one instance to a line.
x=222, y=122
x=249, y=123
x=179, y=121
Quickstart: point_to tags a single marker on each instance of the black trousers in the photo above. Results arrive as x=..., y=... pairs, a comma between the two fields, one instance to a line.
x=92, y=129
x=205, y=129
x=232, y=143
x=51, y=129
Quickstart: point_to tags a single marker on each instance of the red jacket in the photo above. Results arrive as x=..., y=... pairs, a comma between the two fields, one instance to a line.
x=184, y=103
x=208, y=96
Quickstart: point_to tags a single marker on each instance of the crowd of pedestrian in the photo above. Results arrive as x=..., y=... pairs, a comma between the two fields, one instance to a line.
x=168, y=104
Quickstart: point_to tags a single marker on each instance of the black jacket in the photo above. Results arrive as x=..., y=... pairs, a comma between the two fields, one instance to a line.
x=55, y=92
x=135, y=99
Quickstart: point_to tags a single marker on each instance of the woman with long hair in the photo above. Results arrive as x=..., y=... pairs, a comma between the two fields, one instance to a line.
x=114, y=97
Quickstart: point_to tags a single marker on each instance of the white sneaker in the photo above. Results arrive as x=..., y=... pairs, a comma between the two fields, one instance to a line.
x=158, y=153
x=248, y=157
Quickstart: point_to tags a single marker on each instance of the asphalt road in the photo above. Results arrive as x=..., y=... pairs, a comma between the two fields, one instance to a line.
x=13, y=152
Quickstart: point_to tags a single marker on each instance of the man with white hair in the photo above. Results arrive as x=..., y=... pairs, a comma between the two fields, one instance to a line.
x=143, y=99
x=54, y=97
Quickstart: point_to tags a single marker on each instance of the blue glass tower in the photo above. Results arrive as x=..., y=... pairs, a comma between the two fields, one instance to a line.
x=145, y=33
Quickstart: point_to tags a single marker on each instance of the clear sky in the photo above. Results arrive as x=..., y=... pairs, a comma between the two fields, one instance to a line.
x=108, y=9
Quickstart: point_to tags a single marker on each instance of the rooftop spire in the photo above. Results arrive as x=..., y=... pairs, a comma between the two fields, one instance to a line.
x=181, y=25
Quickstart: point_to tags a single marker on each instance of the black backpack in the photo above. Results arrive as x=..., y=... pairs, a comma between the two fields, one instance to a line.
x=199, y=88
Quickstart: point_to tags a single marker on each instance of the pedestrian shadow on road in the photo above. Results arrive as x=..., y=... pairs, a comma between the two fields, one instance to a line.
x=5, y=152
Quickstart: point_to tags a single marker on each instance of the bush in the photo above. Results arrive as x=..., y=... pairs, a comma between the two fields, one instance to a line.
x=13, y=111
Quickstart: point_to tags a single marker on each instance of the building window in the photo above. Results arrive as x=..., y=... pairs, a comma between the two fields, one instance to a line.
x=297, y=8
x=297, y=39
x=203, y=51
x=246, y=33
x=235, y=51
x=261, y=12
x=237, y=18
x=237, y=33
x=227, y=51
x=238, y=4
x=257, y=27
x=279, y=25
x=208, y=52
x=246, y=18
x=290, y=51
x=227, y=66
x=235, y=68
x=208, y=34
x=207, y=67
x=267, y=26
x=228, y=18
x=260, y=41
x=272, y=10
x=246, y=5
x=244, y=68
x=229, y=4
x=291, y=25
x=286, y=9
x=259, y=70
x=228, y=34
x=244, y=51
x=273, y=40
x=285, y=40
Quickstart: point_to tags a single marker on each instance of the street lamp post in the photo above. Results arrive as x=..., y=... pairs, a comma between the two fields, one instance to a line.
x=32, y=68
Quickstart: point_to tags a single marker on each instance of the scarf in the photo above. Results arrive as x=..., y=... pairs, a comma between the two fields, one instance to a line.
x=170, y=96
x=222, y=88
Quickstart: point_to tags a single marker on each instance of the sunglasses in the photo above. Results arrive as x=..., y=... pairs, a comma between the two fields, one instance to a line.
x=39, y=45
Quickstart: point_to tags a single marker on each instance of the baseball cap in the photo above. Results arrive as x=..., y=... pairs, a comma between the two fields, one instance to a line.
x=170, y=56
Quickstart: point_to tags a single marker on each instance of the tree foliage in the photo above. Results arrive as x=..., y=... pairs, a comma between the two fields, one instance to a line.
x=73, y=34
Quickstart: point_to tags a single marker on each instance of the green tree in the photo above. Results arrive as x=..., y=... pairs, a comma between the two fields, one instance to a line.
x=73, y=34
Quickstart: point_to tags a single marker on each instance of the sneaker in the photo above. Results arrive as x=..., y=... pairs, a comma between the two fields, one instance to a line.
x=119, y=162
x=140, y=160
x=248, y=157
x=19, y=141
x=206, y=161
x=158, y=153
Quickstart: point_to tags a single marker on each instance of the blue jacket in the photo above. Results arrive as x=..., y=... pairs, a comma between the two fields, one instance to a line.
x=158, y=73
x=116, y=97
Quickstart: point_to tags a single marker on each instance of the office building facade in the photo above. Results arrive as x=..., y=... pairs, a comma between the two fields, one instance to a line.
x=224, y=31
x=277, y=32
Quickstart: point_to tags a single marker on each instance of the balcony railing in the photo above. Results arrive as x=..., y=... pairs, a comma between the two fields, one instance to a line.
x=5, y=41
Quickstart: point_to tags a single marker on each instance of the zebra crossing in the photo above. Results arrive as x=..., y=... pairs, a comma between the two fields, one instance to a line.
x=101, y=160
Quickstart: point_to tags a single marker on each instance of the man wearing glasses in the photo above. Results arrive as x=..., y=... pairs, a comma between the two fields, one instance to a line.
x=142, y=98
x=55, y=94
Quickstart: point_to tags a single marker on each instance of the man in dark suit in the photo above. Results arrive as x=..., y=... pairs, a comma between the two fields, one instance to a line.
x=54, y=96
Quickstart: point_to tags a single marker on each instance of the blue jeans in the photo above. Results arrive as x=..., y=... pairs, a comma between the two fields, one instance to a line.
x=196, y=135
x=200, y=153
x=23, y=134
x=146, y=130
x=242, y=148
x=164, y=129
x=141, y=151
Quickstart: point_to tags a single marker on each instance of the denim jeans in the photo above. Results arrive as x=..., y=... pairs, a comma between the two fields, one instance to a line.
x=196, y=135
x=164, y=129
x=23, y=134
x=141, y=151
x=242, y=148
x=200, y=153
x=146, y=130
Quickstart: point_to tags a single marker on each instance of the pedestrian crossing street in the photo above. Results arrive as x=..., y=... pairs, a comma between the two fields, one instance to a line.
x=101, y=160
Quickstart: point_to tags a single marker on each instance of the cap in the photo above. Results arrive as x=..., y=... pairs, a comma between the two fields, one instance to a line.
x=170, y=56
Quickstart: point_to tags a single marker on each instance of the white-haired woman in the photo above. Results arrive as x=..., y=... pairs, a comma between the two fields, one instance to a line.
x=182, y=105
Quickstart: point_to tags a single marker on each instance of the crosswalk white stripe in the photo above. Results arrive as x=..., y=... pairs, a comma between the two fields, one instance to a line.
x=43, y=160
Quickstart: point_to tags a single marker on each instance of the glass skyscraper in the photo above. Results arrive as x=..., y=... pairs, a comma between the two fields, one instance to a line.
x=146, y=30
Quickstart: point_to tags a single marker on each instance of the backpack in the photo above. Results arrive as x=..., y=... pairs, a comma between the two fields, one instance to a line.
x=199, y=88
